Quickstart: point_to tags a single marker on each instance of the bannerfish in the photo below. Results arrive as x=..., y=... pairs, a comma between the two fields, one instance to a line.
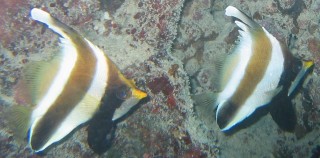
x=68, y=90
x=258, y=69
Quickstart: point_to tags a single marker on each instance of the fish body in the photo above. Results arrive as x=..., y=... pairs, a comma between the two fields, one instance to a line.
x=254, y=73
x=68, y=90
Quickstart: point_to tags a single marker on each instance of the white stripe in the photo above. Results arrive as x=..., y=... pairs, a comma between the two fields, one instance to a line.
x=242, y=53
x=46, y=18
x=83, y=112
x=267, y=88
x=69, y=57
x=99, y=82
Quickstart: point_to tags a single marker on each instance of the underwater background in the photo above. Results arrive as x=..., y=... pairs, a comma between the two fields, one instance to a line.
x=167, y=47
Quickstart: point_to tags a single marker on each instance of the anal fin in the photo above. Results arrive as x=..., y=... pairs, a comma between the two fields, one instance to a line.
x=283, y=113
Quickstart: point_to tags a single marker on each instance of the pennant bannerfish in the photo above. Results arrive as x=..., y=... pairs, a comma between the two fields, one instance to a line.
x=257, y=70
x=68, y=90
x=253, y=75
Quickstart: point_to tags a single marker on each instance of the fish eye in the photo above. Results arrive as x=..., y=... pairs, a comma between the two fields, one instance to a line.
x=123, y=93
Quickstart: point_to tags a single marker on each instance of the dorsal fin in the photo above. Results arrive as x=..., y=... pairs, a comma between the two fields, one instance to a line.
x=217, y=71
x=234, y=12
x=38, y=77
x=249, y=30
x=55, y=25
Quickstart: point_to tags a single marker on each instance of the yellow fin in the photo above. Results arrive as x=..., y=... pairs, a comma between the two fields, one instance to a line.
x=38, y=77
x=18, y=118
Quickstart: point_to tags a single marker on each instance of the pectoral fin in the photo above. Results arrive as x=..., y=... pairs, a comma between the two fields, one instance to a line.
x=204, y=106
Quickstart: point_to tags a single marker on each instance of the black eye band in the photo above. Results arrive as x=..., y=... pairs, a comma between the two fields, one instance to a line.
x=123, y=93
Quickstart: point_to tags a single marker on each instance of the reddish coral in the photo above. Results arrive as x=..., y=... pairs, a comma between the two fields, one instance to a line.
x=155, y=110
x=186, y=139
x=147, y=155
x=134, y=30
x=314, y=45
x=138, y=15
x=233, y=35
x=194, y=153
x=142, y=35
x=160, y=84
x=12, y=21
x=158, y=14
x=171, y=101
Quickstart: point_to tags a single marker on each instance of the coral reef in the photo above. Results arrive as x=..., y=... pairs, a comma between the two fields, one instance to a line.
x=167, y=47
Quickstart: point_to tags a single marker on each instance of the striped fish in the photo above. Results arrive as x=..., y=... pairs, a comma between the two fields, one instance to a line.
x=68, y=90
x=255, y=72
x=258, y=69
